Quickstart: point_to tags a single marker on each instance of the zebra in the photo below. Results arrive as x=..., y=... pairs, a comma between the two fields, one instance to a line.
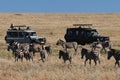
x=102, y=46
x=67, y=45
x=18, y=55
x=106, y=44
x=43, y=54
x=34, y=47
x=116, y=54
x=96, y=45
x=65, y=55
x=28, y=55
x=90, y=55
x=48, y=49
x=13, y=47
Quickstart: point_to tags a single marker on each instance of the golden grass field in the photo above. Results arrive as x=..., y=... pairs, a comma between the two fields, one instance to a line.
x=53, y=27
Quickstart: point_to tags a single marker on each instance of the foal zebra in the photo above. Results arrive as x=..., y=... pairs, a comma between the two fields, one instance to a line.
x=90, y=55
x=115, y=54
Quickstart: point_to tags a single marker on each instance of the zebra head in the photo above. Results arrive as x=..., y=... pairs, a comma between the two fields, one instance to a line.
x=111, y=53
x=83, y=52
x=59, y=42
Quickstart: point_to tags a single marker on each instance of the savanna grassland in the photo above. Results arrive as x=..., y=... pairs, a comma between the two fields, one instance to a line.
x=53, y=27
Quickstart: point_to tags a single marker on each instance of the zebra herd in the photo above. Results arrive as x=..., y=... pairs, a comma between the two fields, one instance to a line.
x=94, y=54
x=27, y=51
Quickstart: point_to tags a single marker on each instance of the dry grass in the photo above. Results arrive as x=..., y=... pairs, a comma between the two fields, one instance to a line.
x=53, y=27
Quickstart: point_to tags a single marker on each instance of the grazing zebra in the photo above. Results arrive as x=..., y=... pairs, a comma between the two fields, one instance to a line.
x=90, y=55
x=26, y=50
x=65, y=55
x=28, y=55
x=48, y=49
x=115, y=54
x=43, y=54
x=67, y=45
x=18, y=55
x=13, y=47
x=33, y=47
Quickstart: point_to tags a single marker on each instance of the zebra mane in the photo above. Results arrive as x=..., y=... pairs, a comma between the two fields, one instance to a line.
x=61, y=41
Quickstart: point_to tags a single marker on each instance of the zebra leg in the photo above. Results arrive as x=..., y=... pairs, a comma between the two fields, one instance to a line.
x=95, y=62
x=64, y=61
x=85, y=62
x=12, y=53
x=15, y=59
x=26, y=58
x=75, y=53
x=29, y=57
x=75, y=50
x=33, y=53
x=43, y=60
x=21, y=59
x=99, y=61
x=90, y=62
x=116, y=63
x=70, y=61
x=102, y=50
x=105, y=50
x=32, y=58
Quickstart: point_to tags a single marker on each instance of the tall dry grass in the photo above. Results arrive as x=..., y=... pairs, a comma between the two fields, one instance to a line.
x=53, y=27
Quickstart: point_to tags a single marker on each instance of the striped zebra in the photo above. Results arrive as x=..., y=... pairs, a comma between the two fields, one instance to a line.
x=65, y=56
x=90, y=55
x=116, y=54
x=18, y=55
x=43, y=54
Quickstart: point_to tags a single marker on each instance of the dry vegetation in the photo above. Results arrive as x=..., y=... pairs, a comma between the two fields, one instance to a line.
x=53, y=27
